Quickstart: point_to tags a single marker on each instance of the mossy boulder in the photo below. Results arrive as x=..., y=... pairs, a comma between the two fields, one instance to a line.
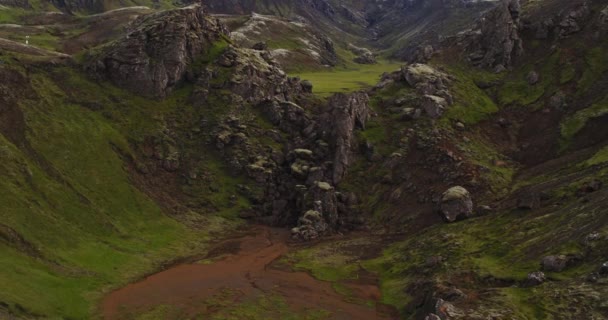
x=456, y=204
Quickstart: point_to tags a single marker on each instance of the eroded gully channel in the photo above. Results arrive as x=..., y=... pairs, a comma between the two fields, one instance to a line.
x=247, y=270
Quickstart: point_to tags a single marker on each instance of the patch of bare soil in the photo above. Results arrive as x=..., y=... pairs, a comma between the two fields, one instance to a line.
x=247, y=270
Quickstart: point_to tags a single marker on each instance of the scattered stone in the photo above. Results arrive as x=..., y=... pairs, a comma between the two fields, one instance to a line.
x=453, y=294
x=554, y=263
x=456, y=204
x=535, y=278
x=304, y=154
x=593, y=277
x=533, y=77
x=433, y=261
x=432, y=316
x=306, y=86
x=446, y=310
x=367, y=58
x=592, y=237
x=483, y=210
x=503, y=122
x=557, y=101
x=500, y=68
x=260, y=46
x=434, y=106
x=422, y=54
x=592, y=186
x=310, y=226
x=528, y=201
x=324, y=186
x=604, y=268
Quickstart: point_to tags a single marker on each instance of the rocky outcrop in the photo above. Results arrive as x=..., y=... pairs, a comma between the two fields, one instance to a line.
x=346, y=112
x=432, y=95
x=310, y=226
x=602, y=22
x=155, y=54
x=573, y=20
x=304, y=179
x=364, y=55
x=496, y=42
x=456, y=204
x=365, y=59
x=568, y=20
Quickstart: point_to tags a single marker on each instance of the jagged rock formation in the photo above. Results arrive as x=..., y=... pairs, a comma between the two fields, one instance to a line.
x=155, y=55
x=305, y=184
x=496, y=42
x=347, y=113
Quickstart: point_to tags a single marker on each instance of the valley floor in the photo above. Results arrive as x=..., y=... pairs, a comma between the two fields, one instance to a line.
x=254, y=276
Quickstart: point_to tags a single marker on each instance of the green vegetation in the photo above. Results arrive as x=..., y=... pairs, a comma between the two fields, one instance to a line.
x=596, y=64
x=348, y=79
x=327, y=264
x=574, y=123
x=471, y=104
x=499, y=173
x=11, y=15
x=71, y=196
x=516, y=89
x=496, y=248
x=567, y=74
x=600, y=157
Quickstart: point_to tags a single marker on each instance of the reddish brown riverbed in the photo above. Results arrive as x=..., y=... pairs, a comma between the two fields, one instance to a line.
x=245, y=269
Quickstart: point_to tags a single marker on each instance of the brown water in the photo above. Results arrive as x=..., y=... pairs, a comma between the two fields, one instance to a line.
x=246, y=268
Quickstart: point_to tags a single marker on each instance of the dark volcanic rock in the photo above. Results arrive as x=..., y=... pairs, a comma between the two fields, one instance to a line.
x=554, y=263
x=310, y=226
x=346, y=112
x=456, y=204
x=260, y=46
x=528, y=201
x=604, y=268
x=498, y=41
x=155, y=54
